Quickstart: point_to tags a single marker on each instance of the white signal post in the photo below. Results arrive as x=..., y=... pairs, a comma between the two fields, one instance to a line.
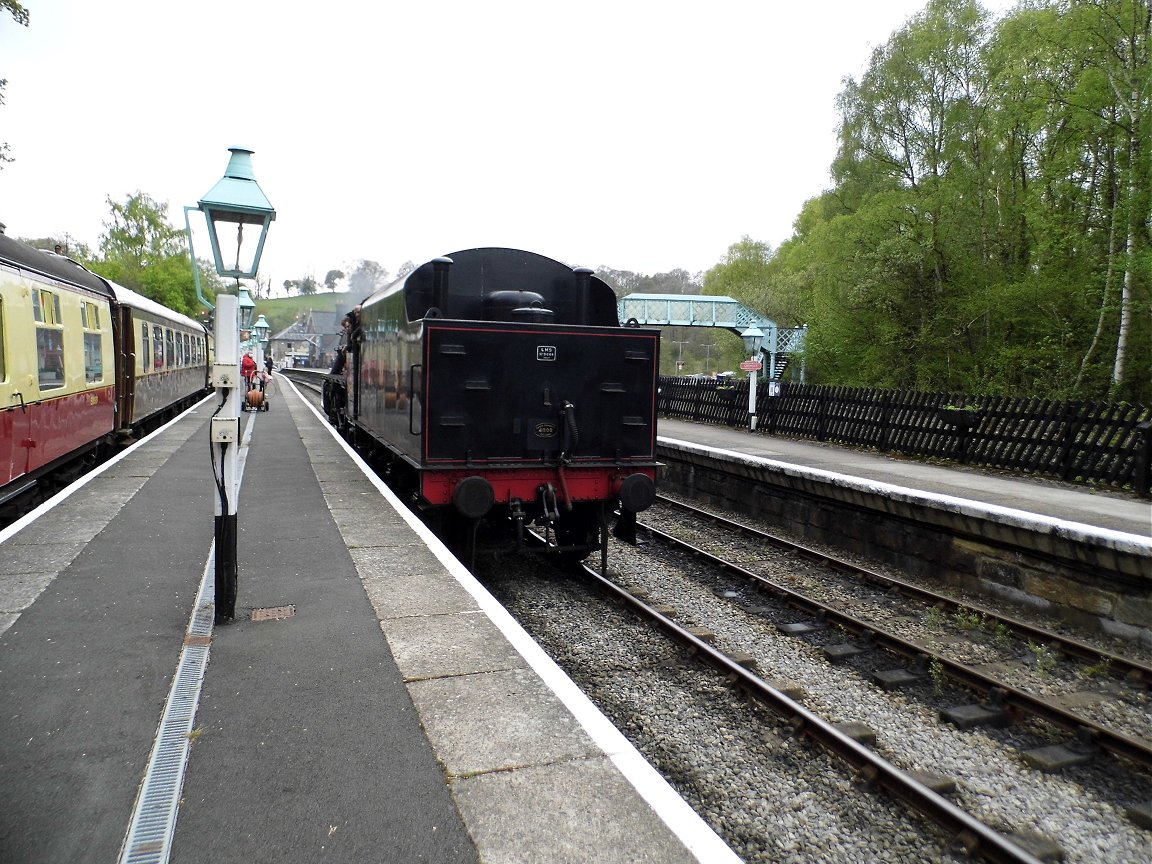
x=225, y=449
x=753, y=338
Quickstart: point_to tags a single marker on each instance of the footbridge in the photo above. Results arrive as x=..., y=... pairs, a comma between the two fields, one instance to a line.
x=780, y=346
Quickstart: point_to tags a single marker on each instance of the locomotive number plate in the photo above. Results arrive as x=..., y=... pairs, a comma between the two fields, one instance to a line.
x=545, y=352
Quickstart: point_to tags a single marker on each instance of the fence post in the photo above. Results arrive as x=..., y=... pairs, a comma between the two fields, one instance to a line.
x=1068, y=440
x=885, y=422
x=1142, y=476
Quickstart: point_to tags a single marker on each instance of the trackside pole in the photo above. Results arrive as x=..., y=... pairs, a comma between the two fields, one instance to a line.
x=225, y=446
x=752, y=398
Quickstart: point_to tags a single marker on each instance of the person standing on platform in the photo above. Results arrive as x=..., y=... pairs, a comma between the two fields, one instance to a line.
x=248, y=369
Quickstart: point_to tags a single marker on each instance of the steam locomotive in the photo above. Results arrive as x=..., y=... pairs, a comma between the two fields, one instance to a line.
x=498, y=382
x=84, y=365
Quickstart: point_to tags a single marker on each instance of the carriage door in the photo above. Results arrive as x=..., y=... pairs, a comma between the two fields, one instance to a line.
x=126, y=338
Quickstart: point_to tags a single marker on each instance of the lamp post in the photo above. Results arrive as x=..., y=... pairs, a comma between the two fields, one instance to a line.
x=247, y=307
x=260, y=333
x=753, y=338
x=235, y=201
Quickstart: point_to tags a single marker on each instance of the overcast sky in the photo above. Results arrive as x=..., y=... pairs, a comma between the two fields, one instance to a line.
x=642, y=136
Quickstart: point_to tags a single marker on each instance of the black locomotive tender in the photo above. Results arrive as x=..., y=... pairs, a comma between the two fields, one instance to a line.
x=498, y=382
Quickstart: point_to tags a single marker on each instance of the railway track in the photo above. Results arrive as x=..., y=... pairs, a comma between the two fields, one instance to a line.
x=1000, y=701
x=918, y=790
x=971, y=785
x=881, y=735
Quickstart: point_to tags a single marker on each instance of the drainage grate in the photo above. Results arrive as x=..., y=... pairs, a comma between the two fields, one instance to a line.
x=153, y=822
x=273, y=613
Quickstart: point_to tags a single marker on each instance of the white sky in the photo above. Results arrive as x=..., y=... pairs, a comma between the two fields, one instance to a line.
x=642, y=136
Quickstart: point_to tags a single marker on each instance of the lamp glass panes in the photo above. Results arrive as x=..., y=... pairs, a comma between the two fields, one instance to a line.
x=753, y=338
x=238, y=215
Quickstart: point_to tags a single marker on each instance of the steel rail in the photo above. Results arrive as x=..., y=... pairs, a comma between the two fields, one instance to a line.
x=1123, y=666
x=1011, y=697
x=973, y=836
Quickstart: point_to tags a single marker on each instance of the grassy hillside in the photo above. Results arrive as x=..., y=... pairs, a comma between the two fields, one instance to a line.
x=282, y=311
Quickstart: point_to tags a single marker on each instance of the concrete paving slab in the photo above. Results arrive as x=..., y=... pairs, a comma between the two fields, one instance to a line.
x=580, y=811
x=366, y=527
x=25, y=559
x=439, y=646
x=19, y=590
x=498, y=721
x=402, y=588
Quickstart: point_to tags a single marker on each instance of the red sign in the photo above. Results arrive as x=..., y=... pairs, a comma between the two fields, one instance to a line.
x=751, y=365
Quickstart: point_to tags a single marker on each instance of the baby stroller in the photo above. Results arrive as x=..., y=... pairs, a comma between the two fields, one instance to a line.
x=256, y=397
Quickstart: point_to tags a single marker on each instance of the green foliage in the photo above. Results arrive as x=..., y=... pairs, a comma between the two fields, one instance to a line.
x=1045, y=657
x=142, y=251
x=282, y=311
x=989, y=229
x=743, y=274
x=18, y=12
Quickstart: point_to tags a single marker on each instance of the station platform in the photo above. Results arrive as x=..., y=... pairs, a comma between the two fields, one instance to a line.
x=1099, y=510
x=370, y=702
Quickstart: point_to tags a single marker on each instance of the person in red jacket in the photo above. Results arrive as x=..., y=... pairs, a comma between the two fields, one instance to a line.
x=248, y=370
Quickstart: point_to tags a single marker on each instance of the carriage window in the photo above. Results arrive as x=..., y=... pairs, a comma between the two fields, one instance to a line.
x=93, y=357
x=142, y=357
x=90, y=316
x=157, y=346
x=3, y=370
x=50, y=356
x=93, y=342
x=46, y=307
x=187, y=349
x=170, y=351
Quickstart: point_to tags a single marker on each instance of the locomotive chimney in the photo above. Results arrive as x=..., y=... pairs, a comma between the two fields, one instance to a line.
x=583, y=293
x=440, y=283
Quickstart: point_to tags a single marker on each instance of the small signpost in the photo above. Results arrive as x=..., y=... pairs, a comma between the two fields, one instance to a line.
x=751, y=365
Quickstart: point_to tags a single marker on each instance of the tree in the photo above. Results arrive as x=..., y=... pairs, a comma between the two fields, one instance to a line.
x=366, y=277
x=331, y=278
x=20, y=14
x=142, y=251
x=139, y=232
x=989, y=225
x=305, y=286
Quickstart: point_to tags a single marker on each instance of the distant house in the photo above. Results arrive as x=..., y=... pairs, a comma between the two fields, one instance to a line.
x=310, y=342
x=291, y=346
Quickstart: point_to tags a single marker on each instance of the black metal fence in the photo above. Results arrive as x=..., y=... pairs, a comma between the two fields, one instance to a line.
x=1101, y=443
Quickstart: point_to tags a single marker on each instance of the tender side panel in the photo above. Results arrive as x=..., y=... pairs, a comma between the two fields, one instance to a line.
x=389, y=366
